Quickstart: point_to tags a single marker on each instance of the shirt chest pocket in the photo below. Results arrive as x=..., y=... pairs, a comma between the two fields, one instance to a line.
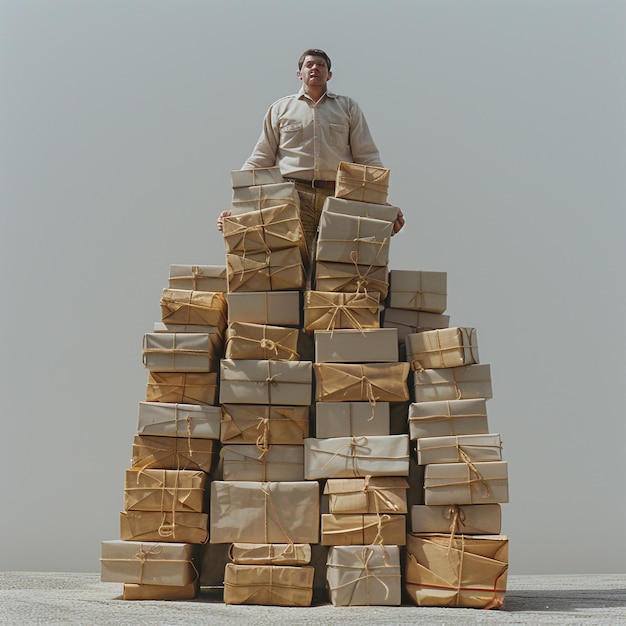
x=339, y=135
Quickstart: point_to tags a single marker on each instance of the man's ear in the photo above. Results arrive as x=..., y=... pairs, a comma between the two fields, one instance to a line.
x=299, y=74
x=330, y=75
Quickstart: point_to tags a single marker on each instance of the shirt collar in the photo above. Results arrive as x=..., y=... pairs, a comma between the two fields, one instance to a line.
x=302, y=95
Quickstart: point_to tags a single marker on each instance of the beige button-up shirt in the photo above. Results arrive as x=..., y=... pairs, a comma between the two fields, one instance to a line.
x=308, y=139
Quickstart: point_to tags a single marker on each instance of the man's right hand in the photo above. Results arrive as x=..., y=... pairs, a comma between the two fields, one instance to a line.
x=220, y=220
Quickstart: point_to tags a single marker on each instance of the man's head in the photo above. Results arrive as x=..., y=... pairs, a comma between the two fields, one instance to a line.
x=314, y=72
x=314, y=52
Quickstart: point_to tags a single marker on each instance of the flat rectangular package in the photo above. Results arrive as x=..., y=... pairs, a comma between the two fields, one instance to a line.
x=182, y=387
x=459, y=448
x=408, y=322
x=448, y=417
x=265, y=382
x=366, y=345
x=281, y=270
x=456, y=519
x=164, y=526
x=263, y=462
x=364, y=576
x=348, y=457
x=261, y=341
x=365, y=529
x=452, y=383
x=270, y=553
x=418, y=290
x=363, y=209
x=264, y=512
x=442, y=348
x=171, y=419
x=198, y=277
x=257, y=197
x=333, y=310
x=166, y=327
x=371, y=494
x=279, y=308
x=351, y=419
x=133, y=591
x=185, y=453
x=351, y=278
x=184, y=306
x=364, y=183
x=180, y=352
x=255, y=176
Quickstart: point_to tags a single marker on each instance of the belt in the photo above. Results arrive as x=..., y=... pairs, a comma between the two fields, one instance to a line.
x=315, y=184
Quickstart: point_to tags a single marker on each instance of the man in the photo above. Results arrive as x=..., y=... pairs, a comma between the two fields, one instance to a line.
x=307, y=134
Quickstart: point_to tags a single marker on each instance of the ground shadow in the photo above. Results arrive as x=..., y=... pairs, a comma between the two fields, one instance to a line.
x=564, y=600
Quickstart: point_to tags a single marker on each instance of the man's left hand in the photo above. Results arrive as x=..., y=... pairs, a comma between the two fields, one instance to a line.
x=398, y=224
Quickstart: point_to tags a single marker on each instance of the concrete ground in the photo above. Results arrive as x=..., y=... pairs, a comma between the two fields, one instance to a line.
x=59, y=598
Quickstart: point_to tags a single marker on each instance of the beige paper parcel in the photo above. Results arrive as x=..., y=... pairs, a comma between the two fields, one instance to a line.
x=261, y=341
x=281, y=270
x=255, y=176
x=459, y=448
x=279, y=308
x=351, y=419
x=364, y=183
x=442, y=348
x=351, y=278
x=371, y=494
x=176, y=453
x=456, y=519
x=270, y=553
x=198, y=277
x=418, y=290
x=330, y=311
x=359, y=530
x=448, y=417
x=166, y=526
x=183, y=306
x=171, y=419
x=366, y=345
x=181, y=387
x=257, y=463
x=452, y=383
x=180, y=352
x=364, y=209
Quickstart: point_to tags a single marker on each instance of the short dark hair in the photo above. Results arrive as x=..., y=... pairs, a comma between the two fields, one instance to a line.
x=313, y=52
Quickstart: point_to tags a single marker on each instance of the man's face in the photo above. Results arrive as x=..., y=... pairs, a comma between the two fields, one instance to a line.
x=314, y=72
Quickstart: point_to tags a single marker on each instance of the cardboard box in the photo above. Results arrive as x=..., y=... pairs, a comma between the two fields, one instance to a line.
x=147, y=562
x=466, y=483
x=463, y=571
x=179, y=352
x=371, y=382
x=348, y=457
x=257, y=197
x=163, y=327
x=281, y=270
x=363, y=209
x=264, y=425
x=171, y=419
x=443, y=348
x=185, y=453
x=270, y=553
x=351, y=278
x=408, y=322
x=254, y=462
x=371, y=494
x=453, y=383
x=164, y=526
x=265, y=382
x=160, y=592
x=351, y=419
x=268, y=585
x=366, y=345
x=181, y=387
x=261, y=341
x=164, y=490
x=256, y=176
x=330, y=311
x=468, y=519
x=364, y=576
x=198, y=277
x=360, y=530
x=418, y=290
x=280, y=308
x=364, y=183
x=183, y=306
x=459, y=448
x=264, y=512
x=448, y=417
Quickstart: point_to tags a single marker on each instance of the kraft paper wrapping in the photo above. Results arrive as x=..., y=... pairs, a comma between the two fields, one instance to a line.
x=270, y=553
x=170, y=419
x=166, y=526
x=162, y=327
x=257, y=197
x=160, y=592
x=181, y=387
x=330, y=311
x=198, y=277
x=255, y=176
x=264, y=512
x=147, y=562
x=409, y=322
x=185, y=453
x=268, y=585
x=349, y=457
x=280, y=308
x=371, y=382
x=364, y=209
x=371, y=494
x=359, y=530
x=459, y=448
x=183, y=306
x=448, y=417
x=365, y=345
x=364, y=576
x=351, y=419
x=266, y=271
x=180, y=352
x=364, y=183
x=265, y=382
x=164, y=490
x=418, y=290
x=347, y=238
x=264, y=425
x=468, y=519
x=261, y=341
x=453, y=383
x=269, y=463
x=351, y=278
x=462, y=571
x=443, y=348
x=466, y=483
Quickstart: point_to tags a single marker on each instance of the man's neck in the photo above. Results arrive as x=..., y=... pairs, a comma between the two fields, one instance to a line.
x=315, y=94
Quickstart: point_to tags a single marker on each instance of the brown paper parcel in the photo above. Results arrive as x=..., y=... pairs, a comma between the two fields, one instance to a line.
x=364, y=183
x=263, y=463
x=371, y=494
x=264, y=425
x=180, y=352
x=452, y=383
x=255, y=176
x=185, y=453
x=265, y=382
x=257, y=197
x=466, y=483
x=147, y=562
x=280, y=308
x=349, y=457
x=371, y=382
x=164, y=490
x=329, y=311
x=198, y=277
x=171, y=419
x=351, y=278
x=163, y=327
x=160, y=592
x=268, y=585
x=418, y=290
x=463, y=571
x=363, y=209
x=366, y=345
x=359, y=530
x=281, y=270
x=181, y=387
x=448, y=417
x=351, y=419
x=183, y=306
x=364, y=576
x=468, y=519
x=459, y=448
x=264, y=512
x=166, y=526
x=270, y=553
x=261, y=341
x=443, y=348
x=409, y=322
